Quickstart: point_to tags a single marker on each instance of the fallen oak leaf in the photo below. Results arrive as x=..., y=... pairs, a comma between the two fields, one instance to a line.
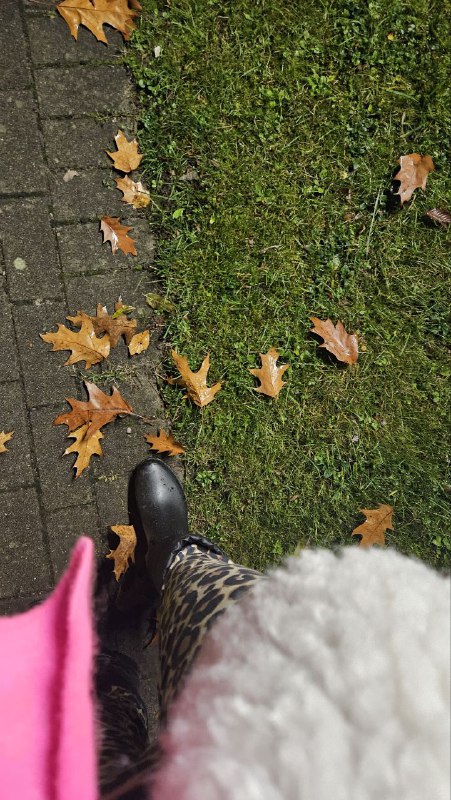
x=412, y=174
x=157, y=302
x=116, y=234
x=373, y=529
x=125, y=551
x=5, y=437
x=133, y=192
x=98, y=411
x=95, y=15
x=343, y=345
x=439, y=215
x=164, y=443
x=86, y=447
x=139, y=343
x=84, y=344
x=195, y=383
x=115, y=327
x=270, y=375
x=126, y=157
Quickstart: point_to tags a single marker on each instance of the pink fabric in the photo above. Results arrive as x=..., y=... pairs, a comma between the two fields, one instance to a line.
x=47, y=726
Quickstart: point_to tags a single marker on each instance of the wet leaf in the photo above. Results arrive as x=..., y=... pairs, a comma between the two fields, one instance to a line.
x=133, y=192
x=343, y=345
x=98, y=411
x=156, y=301
x=84, y=344
x=125, y=551
x=5, y=437
x=373, y=529
x=126, y=157
x=164, y=443
x=115, y=327
x=413, y=174
x=93, y=15
x=195, y=383
x=85, y=446
x=139, y=343
x=270, y=375
x=116, y=234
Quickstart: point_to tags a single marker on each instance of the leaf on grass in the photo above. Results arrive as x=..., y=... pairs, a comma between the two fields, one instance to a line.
x=97, y=411
x=133, y=192
x=440, y=215
x=342, y=345
x=5, y=437
x=126, y=157
x=86, y=446
x=115, y=327
x=84, y=344
x=270, y=375
x=164, y=443
x=413, y=174
x=125, y=551
x=195, y=383
x=373, y=529
x=116, y=234
x=157, y=302
x=139, y=343
x=93, y=15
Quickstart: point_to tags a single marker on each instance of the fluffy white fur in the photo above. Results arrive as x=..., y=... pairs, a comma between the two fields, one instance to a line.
x=328, y=681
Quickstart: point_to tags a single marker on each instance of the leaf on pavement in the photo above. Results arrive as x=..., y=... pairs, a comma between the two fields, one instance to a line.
x=93, y=15
x=97, y=411
x=195, y=383
x=126, y=157
x=440, y=215
x=116, y=234
x=115, y=327
x=125, y=551
x=164, y=443
x=413, y=174
x=84, y=344
x=270, y=375
x=343, y=345
x=5, y=437
x=86, y=446
x=133, y=192
x=373, y=529
x=139, y=343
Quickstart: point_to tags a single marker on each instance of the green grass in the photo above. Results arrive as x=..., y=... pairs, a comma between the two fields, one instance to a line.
x=293, y=117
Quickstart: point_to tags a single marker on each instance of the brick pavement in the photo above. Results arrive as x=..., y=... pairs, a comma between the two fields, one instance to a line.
x=61, y=103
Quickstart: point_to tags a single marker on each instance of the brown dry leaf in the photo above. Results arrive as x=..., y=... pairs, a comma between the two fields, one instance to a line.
x=125, y=551
x=342, y=345
x=115, y=327
x=116, y=233
x=86, y=446
x=126, y=157
x=440, y=215
x=5, y=437
x=164, y=443
x=93, y=15
x=270, y=375
x=97, y=411
x=134, y=192
x=373, y=529
x=412, y=174
x=195, y=383
x=84, y=344
x=139, y=343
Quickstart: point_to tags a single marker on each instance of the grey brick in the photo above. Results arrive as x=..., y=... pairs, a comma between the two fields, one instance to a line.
x=112, y=500
x=85, y=291
x=29, y=246
x=88, y=196
x=13, y=53
x=81, y=248
x=64, y=528
x=75, y=91
x=9, y=365
x=52, y=43
x=16, y=465
x=16, y=605
x=24, y=566
x=58, y=485
x=20, y=145
x=80, y=143
x=46, y=378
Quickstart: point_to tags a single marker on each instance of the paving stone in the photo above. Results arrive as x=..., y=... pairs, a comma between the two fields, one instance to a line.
x=30, y=251
x=81, y=248
x=85, y=291
x=13, y=52
x=58, y=485
x=23, y=167
x=75, y=91
x=81, y=143
x=16, y=605
x=9, y=363
x=32, y=7
x=46, y=378
x=88, y=196
x=51, y=43
x=112, y=500
x=64, y=528
x=24, y=567
x=18, y=469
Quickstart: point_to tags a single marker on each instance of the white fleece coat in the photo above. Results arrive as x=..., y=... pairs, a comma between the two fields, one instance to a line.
x=329, y=680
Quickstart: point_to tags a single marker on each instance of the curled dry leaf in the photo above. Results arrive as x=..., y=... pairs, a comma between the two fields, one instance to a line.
x=139, y=343
x=114, y=326
x=133, y=192
x=86, y=447
x=270, y=375
x=195, y=383
x=126, y=157
x=97, y=411
x=440, y=215
x=343, y=345
x=84, y=344
x=164, y=443
x=413, y=174
x=373, y=529
x=116, y=234
x=93, y=15
x=125, y=551
x=5, y=437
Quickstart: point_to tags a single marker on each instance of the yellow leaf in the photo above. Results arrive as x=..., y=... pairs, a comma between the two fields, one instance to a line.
x=413, y=174
x=195, y=383
x=270, y=375
x=5, y=437
x=164, y=443
x=139, y=343
x=126, y=156
x=84, y=344
x=134, y=192
x=373, y=529
x=86, y=446
x=125, y=551
x=94, y=15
